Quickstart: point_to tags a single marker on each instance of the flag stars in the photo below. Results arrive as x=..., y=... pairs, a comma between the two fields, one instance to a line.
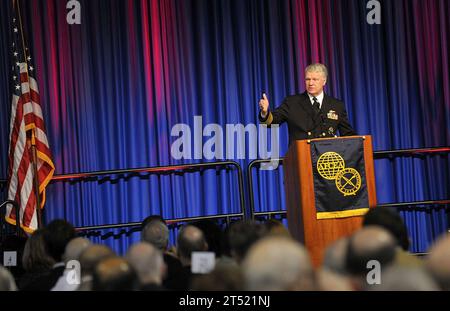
x=15, y=54
x=29, y=58
x=14, y=78
x=17, y=64
x=17, y=87
x=31, y=68
x=15, y=29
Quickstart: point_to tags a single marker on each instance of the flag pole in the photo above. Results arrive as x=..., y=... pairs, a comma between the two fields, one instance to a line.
x=32, y=140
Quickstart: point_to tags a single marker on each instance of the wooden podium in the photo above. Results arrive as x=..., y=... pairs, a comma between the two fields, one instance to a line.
x=317, y=234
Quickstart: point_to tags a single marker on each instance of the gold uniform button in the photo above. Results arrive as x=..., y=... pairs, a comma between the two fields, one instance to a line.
x=309, y=133
x=323, y=134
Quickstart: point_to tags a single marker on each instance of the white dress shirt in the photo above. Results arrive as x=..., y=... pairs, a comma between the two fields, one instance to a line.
x=319, y=99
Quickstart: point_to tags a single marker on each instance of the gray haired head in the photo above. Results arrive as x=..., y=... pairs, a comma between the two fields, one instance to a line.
x=317, y=67
x=157, y=234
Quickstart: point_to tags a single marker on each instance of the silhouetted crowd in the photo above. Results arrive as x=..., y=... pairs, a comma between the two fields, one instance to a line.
x=247, y=255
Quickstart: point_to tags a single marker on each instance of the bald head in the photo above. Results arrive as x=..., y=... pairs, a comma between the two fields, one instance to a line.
x=113, y=274
x=278, y=263
x=92, y=255
x=369, y=243
x=190, y=239
x=74, y=248
x=147, y=261
x=438, y=262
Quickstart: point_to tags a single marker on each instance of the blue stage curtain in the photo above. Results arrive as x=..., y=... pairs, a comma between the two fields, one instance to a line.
x=113, y=87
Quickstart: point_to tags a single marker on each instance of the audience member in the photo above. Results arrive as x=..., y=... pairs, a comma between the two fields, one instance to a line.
x=114, y=274
x=391, y=220
x=335, y=255
x=156, y=233
x=242, y=235
x=89, y=258
x=190, y=239
x=437, y=262
x=73, y=251
x=149, y=265
x=36, y=262
x=401, y=278
x=369, y=243
x=278, y=264
x=276, y=227
x=213, y=235
x=7, y=282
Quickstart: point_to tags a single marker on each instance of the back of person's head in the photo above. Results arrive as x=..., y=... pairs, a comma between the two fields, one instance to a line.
x=57, y=234
x=213, y=235
x=151, y=218
x=74, y=249
x=156, y=233
x=35, y=256
x=147, y=261
x=276, y=227
x=242, y=235
x=278, y=263
x=401, y=278
x=437, y=262
x=7, y=282
x=390, y=220
x=369, y=243
x=335, y=256
x=114, y=274
x=190, y=239
x=222, y=278
x=92, y=255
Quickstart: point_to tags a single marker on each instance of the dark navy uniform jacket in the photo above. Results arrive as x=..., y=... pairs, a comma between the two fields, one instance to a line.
x=304, y=123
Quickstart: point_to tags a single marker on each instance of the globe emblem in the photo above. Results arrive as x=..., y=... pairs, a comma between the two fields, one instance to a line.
x=330, y=164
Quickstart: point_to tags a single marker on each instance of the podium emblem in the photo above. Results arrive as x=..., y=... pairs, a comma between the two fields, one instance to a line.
x=348, y=181
x=330, y=164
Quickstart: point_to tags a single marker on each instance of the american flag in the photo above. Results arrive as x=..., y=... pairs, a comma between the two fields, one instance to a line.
x=26, y=130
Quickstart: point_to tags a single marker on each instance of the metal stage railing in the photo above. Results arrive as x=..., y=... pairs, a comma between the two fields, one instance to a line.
x=377, y=155
x=136, y=226
x=161, y=170
x=251, y=166
x=403, y=205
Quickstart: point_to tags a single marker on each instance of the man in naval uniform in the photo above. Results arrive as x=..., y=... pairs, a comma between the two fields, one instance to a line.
x=312, y=114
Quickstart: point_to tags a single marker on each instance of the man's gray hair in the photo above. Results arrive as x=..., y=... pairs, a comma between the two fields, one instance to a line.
x=157, y=234
x=317, y=67
x=278, y=263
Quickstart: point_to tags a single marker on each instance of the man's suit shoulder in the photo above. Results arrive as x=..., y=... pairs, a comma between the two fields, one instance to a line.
x=295, y=98
x=334, y=101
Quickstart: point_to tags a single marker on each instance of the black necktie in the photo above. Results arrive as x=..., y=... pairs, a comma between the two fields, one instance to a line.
x=316, y=106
